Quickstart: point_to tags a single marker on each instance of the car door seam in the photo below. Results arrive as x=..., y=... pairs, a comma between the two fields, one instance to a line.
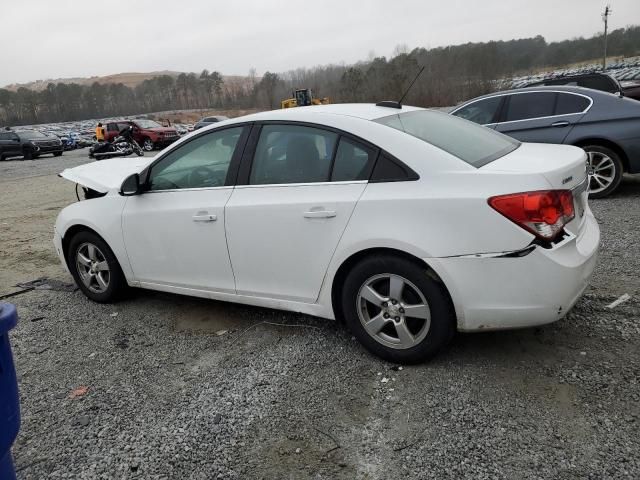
x=335, y=249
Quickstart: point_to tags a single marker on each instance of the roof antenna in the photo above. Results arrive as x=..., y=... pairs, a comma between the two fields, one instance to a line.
x=398, y=104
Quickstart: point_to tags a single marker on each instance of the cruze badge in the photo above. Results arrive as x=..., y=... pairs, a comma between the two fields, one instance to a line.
x=567, y=180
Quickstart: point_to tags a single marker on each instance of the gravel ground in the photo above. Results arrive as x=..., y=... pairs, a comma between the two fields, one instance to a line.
x=179, y=387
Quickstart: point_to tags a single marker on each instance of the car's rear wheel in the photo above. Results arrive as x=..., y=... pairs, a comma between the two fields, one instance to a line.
x=57, y=154
x=396, y=310
x=147, y=144
x=95, y=268
x=604, y=169
x=27, y=154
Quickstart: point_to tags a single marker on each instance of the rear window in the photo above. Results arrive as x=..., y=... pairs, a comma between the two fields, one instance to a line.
x=471, y=143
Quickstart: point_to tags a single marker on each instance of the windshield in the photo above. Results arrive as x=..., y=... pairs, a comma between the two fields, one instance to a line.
x=471, y=143
x=32, y=135
x=148, y=124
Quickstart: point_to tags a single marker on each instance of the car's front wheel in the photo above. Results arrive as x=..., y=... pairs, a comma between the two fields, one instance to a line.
x=95, y=268
x=397, y=310
x=604, y=169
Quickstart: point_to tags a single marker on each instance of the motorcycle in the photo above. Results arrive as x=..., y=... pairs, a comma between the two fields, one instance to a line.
x=122, y=145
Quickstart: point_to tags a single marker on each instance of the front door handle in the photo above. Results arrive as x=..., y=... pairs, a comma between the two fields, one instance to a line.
x=320, y=214
x=204, y=217
x=562, y=123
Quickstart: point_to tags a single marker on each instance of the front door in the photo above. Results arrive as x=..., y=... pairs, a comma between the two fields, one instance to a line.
x=175, y=231
x=284, y=226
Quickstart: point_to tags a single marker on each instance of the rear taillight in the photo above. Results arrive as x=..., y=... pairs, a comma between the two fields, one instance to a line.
x=543, y=213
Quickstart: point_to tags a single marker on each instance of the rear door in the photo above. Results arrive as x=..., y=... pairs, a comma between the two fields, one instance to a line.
x=301, y=186
x=10, y=144
x=541, y=117
x=111, y=131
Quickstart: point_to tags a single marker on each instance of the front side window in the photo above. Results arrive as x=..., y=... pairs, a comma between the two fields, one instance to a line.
x=200, y=163
x=473, y=144
x=523, y=106
x=292, y=154
x=112, y=127
x=482, y=111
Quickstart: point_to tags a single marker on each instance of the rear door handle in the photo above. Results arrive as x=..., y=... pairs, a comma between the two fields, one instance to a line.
x=320, y=214
x=563, y=123
x=204, y=217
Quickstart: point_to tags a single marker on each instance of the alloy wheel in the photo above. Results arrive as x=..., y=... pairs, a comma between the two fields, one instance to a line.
x=93, y=268
x=601, y=170
x=147, y=145
x=393, y=311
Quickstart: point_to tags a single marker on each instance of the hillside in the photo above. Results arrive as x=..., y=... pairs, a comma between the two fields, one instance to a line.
x=128, y=79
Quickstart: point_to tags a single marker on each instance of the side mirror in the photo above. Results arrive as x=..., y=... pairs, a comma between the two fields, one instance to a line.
x=131, y=186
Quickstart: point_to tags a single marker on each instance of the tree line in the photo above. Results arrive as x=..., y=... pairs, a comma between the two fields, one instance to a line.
x=452, y=74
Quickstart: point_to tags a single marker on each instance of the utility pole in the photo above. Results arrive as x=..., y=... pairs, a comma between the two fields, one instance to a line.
x=605, y=18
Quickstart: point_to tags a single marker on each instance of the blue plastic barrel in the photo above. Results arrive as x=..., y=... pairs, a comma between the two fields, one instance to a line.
x=9, y=402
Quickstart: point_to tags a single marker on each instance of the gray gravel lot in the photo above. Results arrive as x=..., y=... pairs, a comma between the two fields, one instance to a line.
x=182, y=388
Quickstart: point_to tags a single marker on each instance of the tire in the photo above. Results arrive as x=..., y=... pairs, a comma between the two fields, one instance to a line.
x=112, y=284
x=605, y=181
x=28, y=154
x=147, y=144
x=431, y=326
x=1, y=157
x=57, y=154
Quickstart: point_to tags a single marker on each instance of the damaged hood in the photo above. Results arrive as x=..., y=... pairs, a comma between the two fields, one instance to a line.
x=105, y=175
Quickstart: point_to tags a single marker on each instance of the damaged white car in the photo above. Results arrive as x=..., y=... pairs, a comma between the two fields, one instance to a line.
x=404, y=223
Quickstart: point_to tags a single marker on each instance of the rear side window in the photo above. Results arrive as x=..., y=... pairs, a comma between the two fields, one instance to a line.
x=292, y=154
x=473, y=144
x=112, y=127
x=388, y=169
x=603, y=83
x=482, y=111
x=568, y=103
x=524, y=106
x=354, y=161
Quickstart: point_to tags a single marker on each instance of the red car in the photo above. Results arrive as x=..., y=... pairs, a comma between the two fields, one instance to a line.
x=147, y=133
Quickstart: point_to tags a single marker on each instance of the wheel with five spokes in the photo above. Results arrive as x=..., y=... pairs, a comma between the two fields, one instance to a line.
x=604, y=169
x=95, y=268
x=397, y=310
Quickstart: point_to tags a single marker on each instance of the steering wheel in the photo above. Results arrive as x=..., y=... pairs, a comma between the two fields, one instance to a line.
x=202, y=177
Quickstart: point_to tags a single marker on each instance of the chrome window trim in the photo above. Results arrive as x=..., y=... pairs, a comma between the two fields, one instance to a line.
x=304, y=184
x=194, y=189
x=532, y=118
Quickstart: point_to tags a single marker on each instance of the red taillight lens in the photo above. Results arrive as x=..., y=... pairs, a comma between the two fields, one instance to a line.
x=542, y=213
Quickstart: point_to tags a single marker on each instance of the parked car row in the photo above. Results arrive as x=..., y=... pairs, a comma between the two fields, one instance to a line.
x=625, y=70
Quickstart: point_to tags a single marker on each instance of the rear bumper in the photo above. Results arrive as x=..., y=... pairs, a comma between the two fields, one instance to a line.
x=493, y=293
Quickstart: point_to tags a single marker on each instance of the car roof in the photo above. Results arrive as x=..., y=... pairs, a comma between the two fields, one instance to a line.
x=365, y=111
x=541, y=88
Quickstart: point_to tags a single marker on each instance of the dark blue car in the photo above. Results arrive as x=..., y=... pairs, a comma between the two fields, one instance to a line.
x=605, y=125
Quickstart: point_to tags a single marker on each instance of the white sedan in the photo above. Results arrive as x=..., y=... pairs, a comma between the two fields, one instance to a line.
x=404, y=223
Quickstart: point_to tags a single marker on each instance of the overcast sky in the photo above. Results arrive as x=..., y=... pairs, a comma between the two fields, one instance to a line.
x=43, y=39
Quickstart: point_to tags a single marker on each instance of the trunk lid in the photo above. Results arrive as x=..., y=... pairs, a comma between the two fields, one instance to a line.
x=563, y=166
x=105, y=175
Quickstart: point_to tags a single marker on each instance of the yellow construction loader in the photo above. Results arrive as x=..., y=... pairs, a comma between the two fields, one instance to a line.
x=303, y=97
